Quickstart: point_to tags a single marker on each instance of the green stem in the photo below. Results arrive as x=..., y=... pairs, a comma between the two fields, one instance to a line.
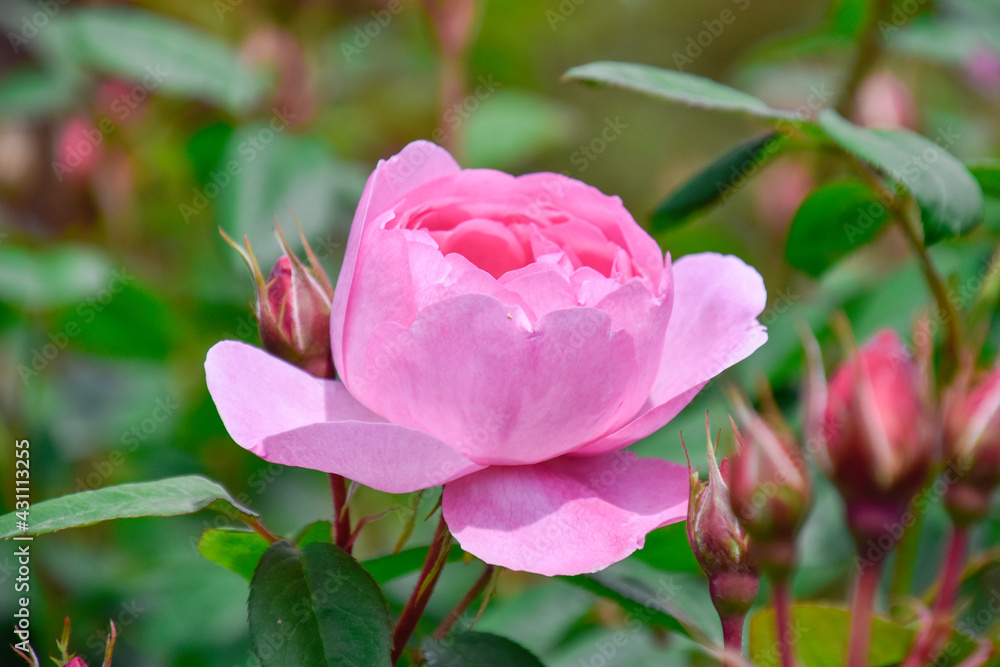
x=862, y=609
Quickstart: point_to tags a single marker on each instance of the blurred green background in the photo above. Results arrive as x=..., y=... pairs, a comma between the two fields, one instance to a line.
x=130, y=132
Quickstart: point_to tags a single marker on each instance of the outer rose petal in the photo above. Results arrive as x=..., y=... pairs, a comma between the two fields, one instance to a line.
x=717, y=299
x=287, y=416
x=566, y=516
x=418, y=163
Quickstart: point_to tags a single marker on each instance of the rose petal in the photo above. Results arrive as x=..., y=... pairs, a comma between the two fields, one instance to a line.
x=259, y=395
x=474, y=373
x=419, y=163
x=713, y=325
x=387, y=457
x=284, y=415
x=566, y=516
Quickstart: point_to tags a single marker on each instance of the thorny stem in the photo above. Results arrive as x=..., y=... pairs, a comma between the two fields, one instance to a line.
x=862, y=608
x=465, y=602
x=341, y=515
x=928, y=642
x=783, y=624
x=429, y=573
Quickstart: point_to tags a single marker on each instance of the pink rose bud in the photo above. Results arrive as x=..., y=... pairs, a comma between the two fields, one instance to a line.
x=884, y=101
x=293, y=310
x=879, y=440
x=76, y=662
x=972, y=442
x=770, y=491
x=78, y=149
x=720, y=544
x=983, y=72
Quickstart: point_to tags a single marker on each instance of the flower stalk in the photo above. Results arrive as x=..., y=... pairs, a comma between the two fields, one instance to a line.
x=437, y=555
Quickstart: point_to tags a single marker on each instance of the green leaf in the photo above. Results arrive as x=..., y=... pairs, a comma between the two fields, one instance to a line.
x=678, y=87
x=317, y=531
x=166, y=497
x=821, y=634
x=987, y=174
x=716, y=182
x=238, y=551
x=667, y=549
x=651, y=606
x=834, y=220
x=511, y=126
x=476, y=648
x=162, y=55
x=266, y=172
x=317, y=606
x=37, y=92
x=950, y=199
x=53, y=278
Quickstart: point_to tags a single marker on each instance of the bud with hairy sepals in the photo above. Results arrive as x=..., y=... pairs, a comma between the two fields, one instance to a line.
x=972, y=442
x=879, y=441
x=720, y=544
x=770, y=490
x=293, y=308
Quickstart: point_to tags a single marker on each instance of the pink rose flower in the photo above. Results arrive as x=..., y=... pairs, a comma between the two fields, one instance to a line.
x=506, y=337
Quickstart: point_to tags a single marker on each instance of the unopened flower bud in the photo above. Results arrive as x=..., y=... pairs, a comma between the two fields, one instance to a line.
x=884, y=101
x=76, y=662
x=770, y=491
x=879, y=440
x=720, y=544
x=293, y=310
x=972, y=443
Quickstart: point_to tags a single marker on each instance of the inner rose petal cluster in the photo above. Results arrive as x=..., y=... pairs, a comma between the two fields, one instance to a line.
x=506, y=337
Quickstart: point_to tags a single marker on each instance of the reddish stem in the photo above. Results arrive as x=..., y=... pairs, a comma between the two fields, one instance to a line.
x=732, y=639
x=932, y=635
x=414, y=607
x=341, y=514
x=783, y=624
x=865, y=588
x=465, y=602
